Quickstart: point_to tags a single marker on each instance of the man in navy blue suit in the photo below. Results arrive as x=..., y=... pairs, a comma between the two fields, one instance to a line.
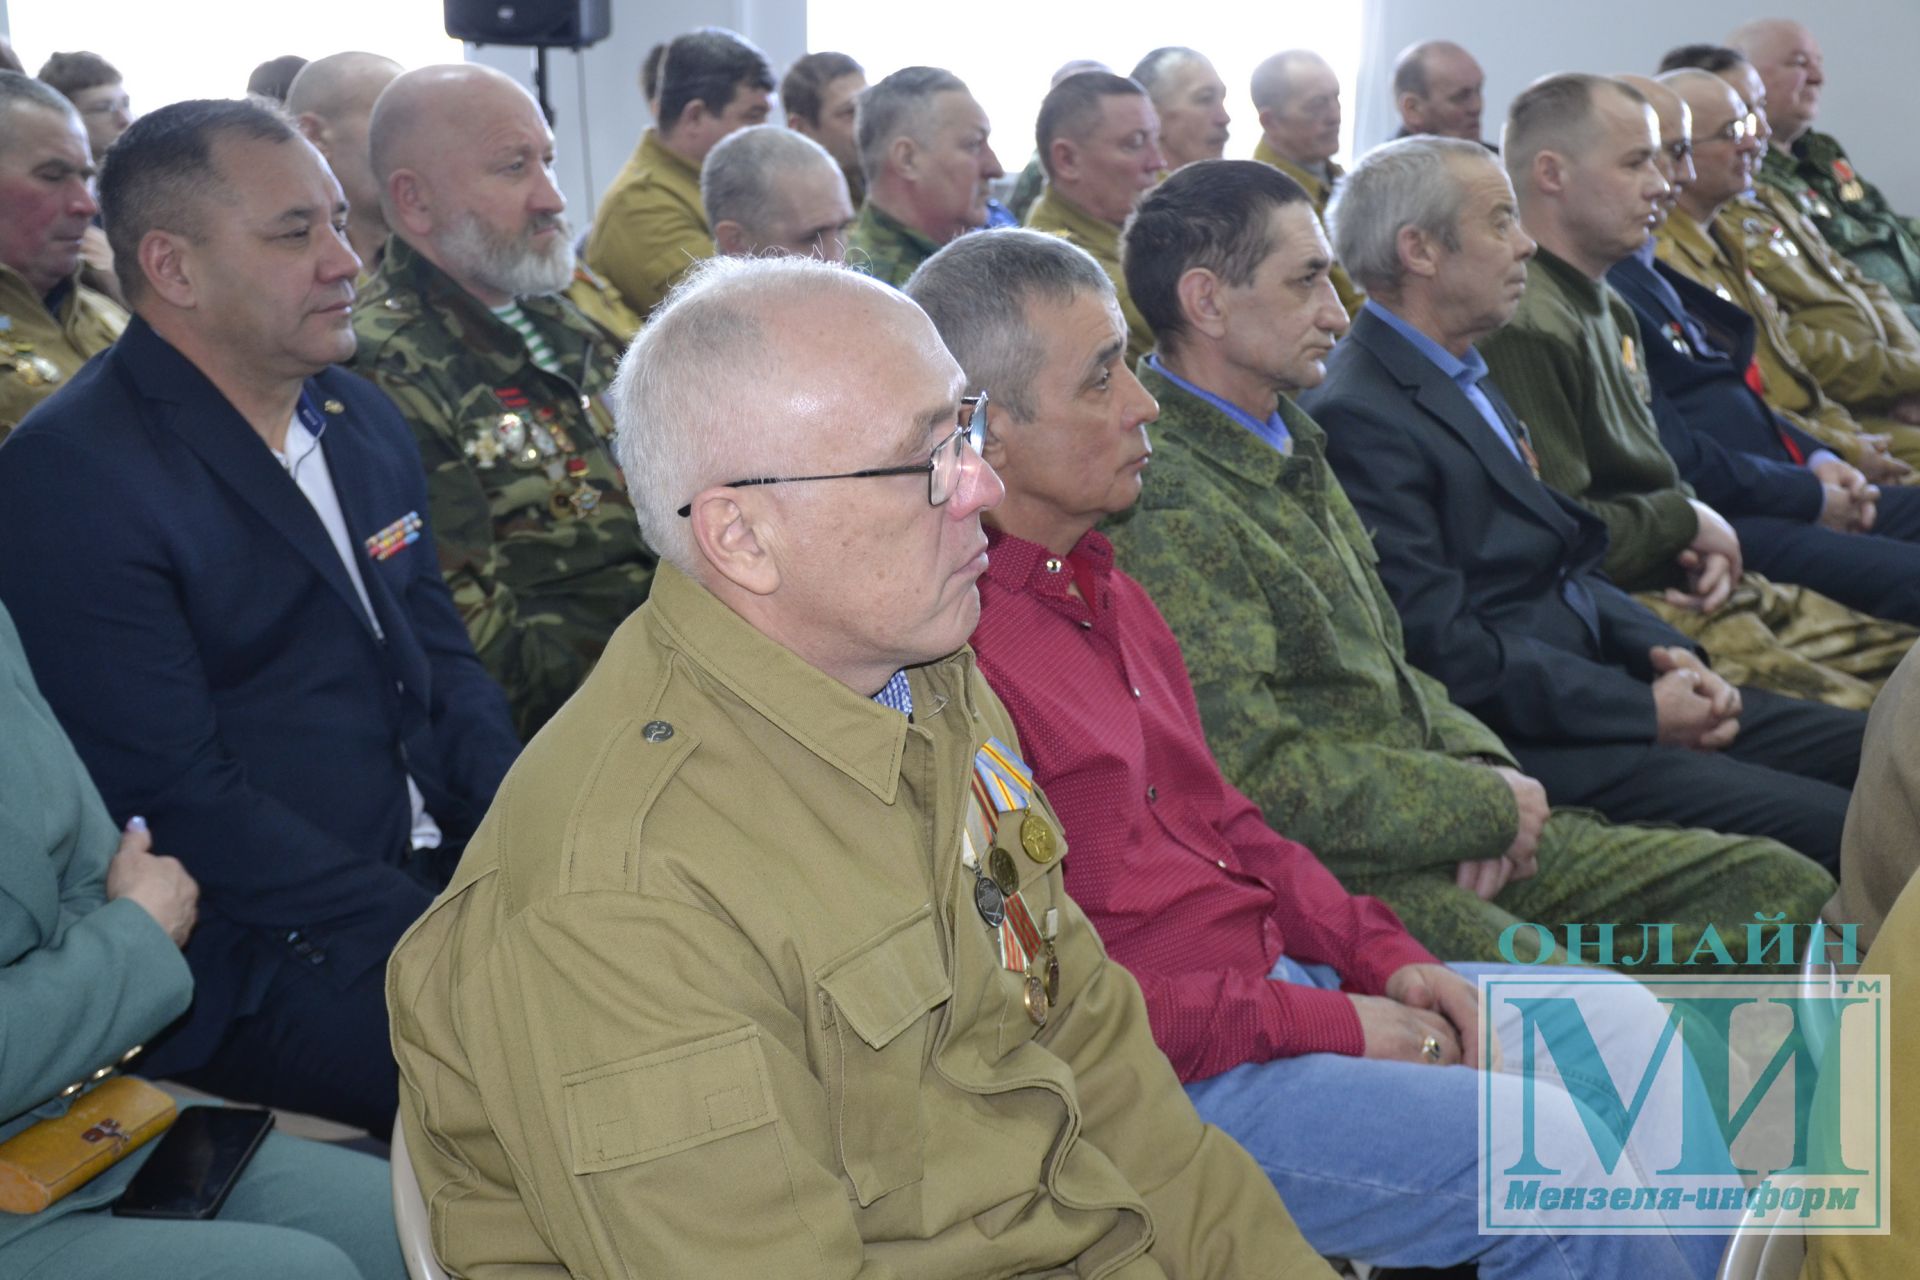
x=214, y=546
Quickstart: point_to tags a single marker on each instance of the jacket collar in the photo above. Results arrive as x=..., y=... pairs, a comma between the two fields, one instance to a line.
x=1691, y=242
x=855, y=735
x=1014, y=564
x=1319, y=190
x=1443, y=401
x=1095, y=235
x=1585, y=295
x=1224, y=441
x=882, y=225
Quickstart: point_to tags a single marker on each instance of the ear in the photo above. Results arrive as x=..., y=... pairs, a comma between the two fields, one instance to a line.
x=1065, y=155
x=166, y=262
x=692, y=116
x=1410, y=109
x=1201, y=302
x=730, y=238
x=799, y=123
x=733, y=538
x=1550, y=172
x=994, y=448
x=412, y=201
x=903, y=155
x=1419, y=252
x=1265, y=116
x=313, y=129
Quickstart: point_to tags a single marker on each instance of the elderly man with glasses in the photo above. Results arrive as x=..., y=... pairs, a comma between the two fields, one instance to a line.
x=762, y=965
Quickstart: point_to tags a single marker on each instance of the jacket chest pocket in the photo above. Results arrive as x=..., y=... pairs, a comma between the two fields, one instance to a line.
x=877, y=1002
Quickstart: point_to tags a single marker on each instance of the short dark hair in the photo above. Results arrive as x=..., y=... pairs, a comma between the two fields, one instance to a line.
x=709, y=65
x=159, y=174
x=650, y=71
x=1213, y=214
x=1072, y=106
x=77, y=72
x=806, y=81
x=272, y=78
x=1706, y=57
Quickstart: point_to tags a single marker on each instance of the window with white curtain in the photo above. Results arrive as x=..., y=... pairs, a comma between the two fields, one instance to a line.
x=1008, y=50
x=208, y=48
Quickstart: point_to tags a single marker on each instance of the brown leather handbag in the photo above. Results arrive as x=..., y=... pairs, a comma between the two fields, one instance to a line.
x=44, y=1162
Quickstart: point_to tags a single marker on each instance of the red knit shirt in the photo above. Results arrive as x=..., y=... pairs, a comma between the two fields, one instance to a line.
x=1189, y=887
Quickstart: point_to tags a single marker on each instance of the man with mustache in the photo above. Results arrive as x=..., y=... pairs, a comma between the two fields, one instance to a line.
x=246, y=634
x=50, y=320
x=501, y=376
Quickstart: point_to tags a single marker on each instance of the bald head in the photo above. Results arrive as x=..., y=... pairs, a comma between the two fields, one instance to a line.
x=1789, y=61
x=1298, y=99
x=464, y=161
x=331, y=100
x=341, y=82
x=1437, y=86
x=1676, y=136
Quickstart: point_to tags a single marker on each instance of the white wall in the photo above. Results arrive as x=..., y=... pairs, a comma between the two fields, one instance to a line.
x=1868, y=44
x=594, y=143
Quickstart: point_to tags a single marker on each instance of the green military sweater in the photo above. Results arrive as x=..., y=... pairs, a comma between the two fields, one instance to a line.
x=1569, y=362
x=885, y=247
x=1310, y=704
x=537, y=537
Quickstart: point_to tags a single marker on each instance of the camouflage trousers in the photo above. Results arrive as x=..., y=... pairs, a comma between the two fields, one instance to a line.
x=1595, y=873
x=1794, y=641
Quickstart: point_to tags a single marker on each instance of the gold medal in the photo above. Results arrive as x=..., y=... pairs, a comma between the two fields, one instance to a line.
x=1036, y=837
x=334, y=406
x=1033, y=994
x=1004, y=873
x=511, y=431
x=1852, y=191
x=1048, y=964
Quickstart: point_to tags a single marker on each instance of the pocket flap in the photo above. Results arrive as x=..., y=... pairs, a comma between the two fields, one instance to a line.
x=661, y=1103
x=887, y=985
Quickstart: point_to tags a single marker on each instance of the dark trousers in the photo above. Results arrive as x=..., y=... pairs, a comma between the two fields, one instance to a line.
x=1788, y=776
x=312, y=1046
x=1876, y=573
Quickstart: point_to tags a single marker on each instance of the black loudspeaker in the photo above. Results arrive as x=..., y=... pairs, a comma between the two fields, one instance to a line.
x=570, y=24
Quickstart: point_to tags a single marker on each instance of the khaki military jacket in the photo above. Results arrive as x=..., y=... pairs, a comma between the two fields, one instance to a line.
x=39, y=351
x=1320, y=191
x=885, y=247
x=709, y=996
x=650, y=227
x=1719, y=263
x=537, y=536
x=1054, y=214
x=1862, y=356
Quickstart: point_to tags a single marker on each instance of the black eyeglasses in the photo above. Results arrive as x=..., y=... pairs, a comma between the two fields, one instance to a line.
x=942, y=467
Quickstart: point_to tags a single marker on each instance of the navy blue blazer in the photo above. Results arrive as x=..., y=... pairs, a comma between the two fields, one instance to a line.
x=1496, y=576
x=1726, y=440
x=199, y=639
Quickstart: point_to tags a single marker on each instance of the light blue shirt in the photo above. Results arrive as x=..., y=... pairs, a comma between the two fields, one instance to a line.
x=897, y=694
x=1273, y=430
x=1465, y=374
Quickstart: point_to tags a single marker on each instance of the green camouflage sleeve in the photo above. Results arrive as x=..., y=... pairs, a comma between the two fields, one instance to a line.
x=1323, y=779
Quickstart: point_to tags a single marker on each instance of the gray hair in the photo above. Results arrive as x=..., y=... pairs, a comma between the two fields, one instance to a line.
x=740, y=180
x=1152, y=71
x=978, y=289
x=680, y=402
x=18, y=91
x=902, y=104
x=1272, y=82
x=1415, y=182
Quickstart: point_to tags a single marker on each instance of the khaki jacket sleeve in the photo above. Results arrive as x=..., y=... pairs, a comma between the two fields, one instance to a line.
x=649, y=1083
x=1851, y=365
x=1215, y=1212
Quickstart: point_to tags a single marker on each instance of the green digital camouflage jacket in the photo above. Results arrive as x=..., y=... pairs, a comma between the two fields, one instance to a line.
x=1266, y=576
x=1851, y=213
x=886, y=248
x=537, y=536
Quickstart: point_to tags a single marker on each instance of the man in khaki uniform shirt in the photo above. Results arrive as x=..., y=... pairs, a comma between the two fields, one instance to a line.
x=650, y=226
x=50, y=323
x=761, y=965
x=1699, y=243
x=1298, y=98
x=1097, y=136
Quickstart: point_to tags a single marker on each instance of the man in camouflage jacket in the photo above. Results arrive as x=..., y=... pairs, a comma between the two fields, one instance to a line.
x=537, y=536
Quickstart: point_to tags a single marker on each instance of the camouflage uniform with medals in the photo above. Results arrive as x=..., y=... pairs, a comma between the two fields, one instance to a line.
x=1851, y=213
x=537, y=536
x=41, y=349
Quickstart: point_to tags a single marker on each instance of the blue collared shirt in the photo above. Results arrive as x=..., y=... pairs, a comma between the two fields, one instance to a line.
x=1273, y=430
x=1465, y=374
x=898, y=694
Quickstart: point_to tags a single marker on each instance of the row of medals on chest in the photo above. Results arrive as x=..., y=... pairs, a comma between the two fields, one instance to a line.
x=994, y=888
x=539, y=439
x=33, y=368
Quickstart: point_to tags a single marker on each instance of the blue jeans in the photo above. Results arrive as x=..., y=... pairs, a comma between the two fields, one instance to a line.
x=1377, y=1160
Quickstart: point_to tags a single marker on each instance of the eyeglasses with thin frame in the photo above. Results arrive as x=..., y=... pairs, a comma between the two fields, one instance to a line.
x=942, y=467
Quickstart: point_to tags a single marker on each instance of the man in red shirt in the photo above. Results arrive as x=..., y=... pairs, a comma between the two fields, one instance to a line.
x=1305, y=1020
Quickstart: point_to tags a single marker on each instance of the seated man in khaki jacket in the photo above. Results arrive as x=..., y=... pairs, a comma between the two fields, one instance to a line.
x=761, y=964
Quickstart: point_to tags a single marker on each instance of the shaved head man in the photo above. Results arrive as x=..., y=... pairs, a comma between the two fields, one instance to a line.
x=331, y=100
x=502, y=378
x=1437, y=87
x=769, y=190
x=1298, y=97
x=1675, y=160
x=1191, y=100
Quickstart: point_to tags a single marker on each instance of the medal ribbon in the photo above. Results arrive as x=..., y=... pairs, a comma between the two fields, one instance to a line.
x=1001, y=783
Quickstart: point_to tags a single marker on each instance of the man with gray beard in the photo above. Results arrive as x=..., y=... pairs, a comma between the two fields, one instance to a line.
x=502, y=378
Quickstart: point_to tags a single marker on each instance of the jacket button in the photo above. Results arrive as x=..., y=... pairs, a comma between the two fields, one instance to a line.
x=1153, y=794
x=656, y=731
